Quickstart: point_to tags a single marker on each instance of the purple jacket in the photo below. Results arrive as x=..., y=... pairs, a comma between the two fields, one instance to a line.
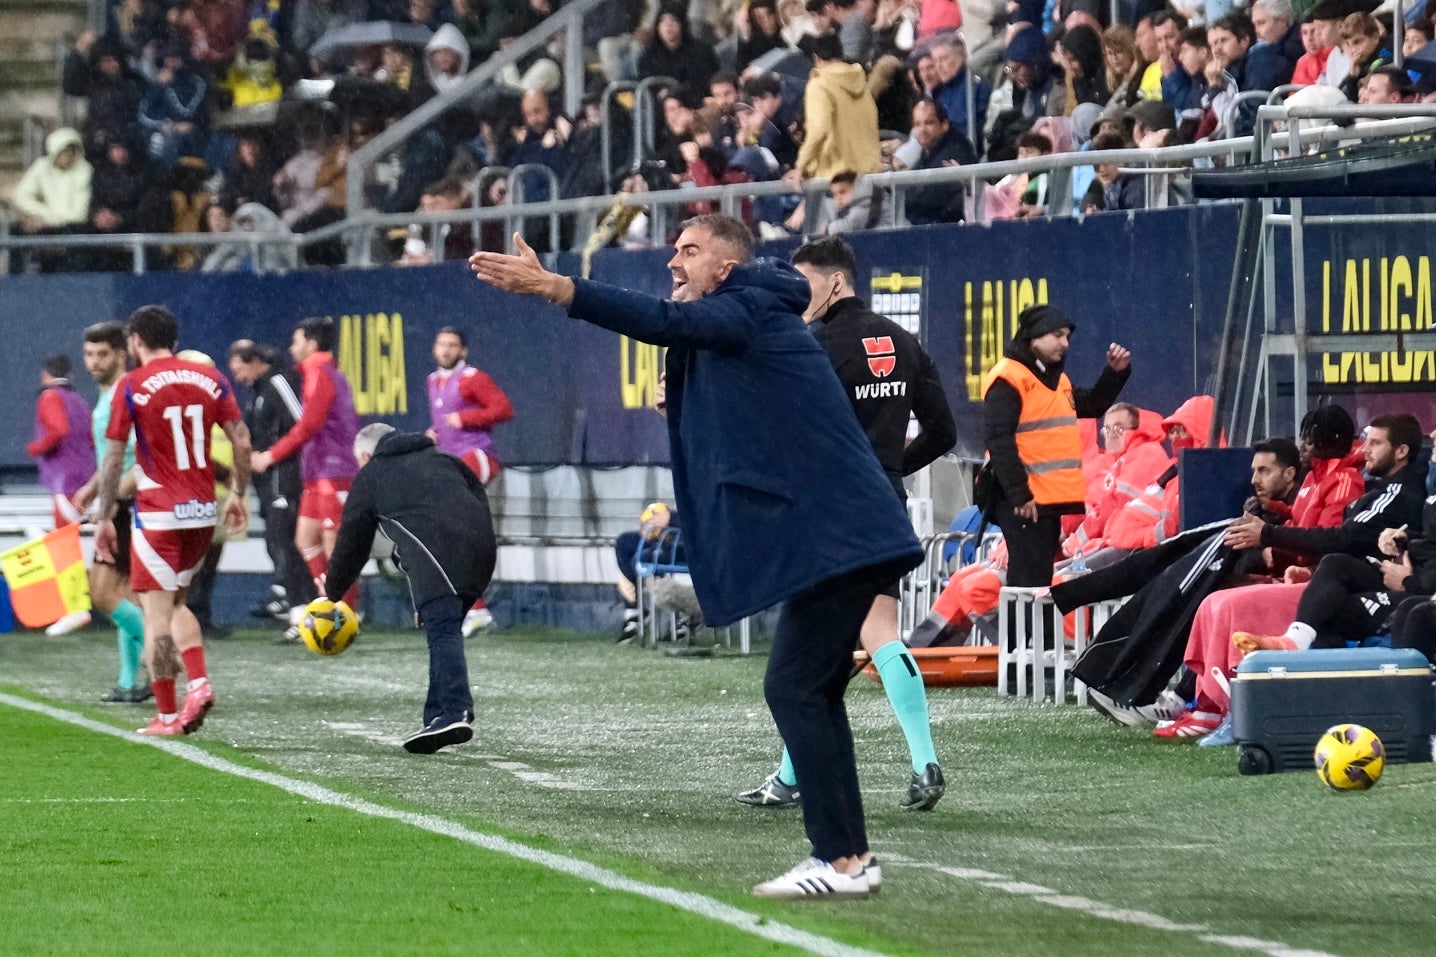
x=68, y=464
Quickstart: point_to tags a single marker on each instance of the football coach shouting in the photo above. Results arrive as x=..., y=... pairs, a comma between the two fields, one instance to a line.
x=782, y=498
x=435, y=511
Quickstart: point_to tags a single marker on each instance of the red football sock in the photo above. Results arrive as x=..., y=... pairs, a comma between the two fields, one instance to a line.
x=194, y=662
x=318, y=563
x=351, y=597
x=164, y=689
x=478, y=605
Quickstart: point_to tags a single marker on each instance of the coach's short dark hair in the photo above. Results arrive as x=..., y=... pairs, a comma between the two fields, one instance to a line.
x=155, y=325
x=247, y=350
x=456, y=332
x=110, y=332
x=937, y=108
x=726, y=229
x=828, y=254
x=57, y=365
x=1283, y=449
x=1398, y=78
x=764, y=84
x=1401, y=429
x=320, y=331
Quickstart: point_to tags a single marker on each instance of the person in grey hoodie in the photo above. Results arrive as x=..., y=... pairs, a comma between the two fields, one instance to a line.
x=446, y=58
x=240, y=255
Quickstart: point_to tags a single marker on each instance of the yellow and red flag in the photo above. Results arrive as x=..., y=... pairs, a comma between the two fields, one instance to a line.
x=47, y=577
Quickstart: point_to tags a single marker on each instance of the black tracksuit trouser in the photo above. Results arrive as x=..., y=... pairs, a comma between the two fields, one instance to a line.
x=1346, y=600
x=808, y=672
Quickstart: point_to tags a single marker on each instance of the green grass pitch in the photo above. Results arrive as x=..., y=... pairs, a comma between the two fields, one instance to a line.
x=1060, y=832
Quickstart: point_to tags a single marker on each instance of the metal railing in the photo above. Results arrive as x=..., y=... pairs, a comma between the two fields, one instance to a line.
x=1159, y=164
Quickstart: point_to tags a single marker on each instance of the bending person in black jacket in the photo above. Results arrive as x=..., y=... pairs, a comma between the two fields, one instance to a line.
x=435, y=511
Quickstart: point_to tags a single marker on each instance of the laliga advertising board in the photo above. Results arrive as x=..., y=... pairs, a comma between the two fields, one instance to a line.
x=583, y=396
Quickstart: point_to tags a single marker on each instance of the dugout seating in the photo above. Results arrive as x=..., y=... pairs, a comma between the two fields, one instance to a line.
x=659, y=558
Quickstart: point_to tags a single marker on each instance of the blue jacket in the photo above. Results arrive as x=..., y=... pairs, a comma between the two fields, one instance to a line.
x=778, y=486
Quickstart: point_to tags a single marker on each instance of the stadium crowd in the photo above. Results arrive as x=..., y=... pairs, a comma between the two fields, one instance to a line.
x=220, y=115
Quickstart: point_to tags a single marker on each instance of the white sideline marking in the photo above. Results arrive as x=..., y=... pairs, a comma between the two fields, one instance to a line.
x=694, y=903
x=1121, y=915
x=518, y=769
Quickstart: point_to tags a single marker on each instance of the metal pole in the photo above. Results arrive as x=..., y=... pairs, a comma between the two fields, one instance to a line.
x=1299, y=319
x=573, y=66
x=1399, y=21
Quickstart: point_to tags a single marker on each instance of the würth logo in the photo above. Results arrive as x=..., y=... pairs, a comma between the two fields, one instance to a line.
x=880, y=355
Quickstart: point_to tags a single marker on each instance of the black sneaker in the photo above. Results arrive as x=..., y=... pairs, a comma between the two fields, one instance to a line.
x=924, y=790
x=116, y=695
x=276, y=608
x=631, y=629
x=771, y=793
x=439, y=733
x=139, y=694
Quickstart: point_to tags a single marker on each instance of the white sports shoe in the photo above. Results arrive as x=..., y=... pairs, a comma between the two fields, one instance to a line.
x=476, y=619
x=817, y=880
x=74, y=621
x=1168, y=706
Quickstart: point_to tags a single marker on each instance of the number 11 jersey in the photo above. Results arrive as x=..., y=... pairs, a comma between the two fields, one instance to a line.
x=173, y=406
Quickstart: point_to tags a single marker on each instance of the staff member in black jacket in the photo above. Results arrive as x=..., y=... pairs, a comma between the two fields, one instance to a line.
x=435, y=511
x=889, y=379
x=271, y=412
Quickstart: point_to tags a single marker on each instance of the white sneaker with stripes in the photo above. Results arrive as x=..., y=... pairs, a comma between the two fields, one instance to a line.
x=816, y=880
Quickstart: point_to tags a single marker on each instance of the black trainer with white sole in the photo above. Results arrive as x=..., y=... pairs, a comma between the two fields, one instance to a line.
x=439, y=733
x=772, y=793
x=924, y=790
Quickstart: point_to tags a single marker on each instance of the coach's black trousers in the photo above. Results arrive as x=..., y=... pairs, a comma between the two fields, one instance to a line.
x=279, y=507
x=808, y=671
x=449, y=695
x=1346, y=600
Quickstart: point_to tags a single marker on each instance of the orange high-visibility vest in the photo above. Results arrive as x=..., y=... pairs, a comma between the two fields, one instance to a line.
x=1048, y=442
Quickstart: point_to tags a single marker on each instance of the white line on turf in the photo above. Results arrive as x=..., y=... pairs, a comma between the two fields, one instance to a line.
x=518, y=769
x=1121, y=915
x=689, y=901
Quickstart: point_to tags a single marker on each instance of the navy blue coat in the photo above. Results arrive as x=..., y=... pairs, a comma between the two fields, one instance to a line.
x=778, y=486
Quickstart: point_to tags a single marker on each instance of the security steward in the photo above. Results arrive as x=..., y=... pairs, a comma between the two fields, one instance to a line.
x=435, y=511
x=1031, y=410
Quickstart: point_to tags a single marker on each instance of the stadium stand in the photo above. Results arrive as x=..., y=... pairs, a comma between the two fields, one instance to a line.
x=199, y=104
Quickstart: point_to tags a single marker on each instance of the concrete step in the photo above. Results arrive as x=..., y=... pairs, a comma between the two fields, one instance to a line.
x=33, y=36
x=15, y=105
x=28, y=75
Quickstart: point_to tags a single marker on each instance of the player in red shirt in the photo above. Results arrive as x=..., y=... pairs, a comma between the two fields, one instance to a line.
x=323, y=438
x=172, y=406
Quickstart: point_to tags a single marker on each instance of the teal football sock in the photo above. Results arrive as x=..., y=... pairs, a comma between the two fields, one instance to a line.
x=903, y=683
x=130, y=623
x=129, y=660
x=786, y=774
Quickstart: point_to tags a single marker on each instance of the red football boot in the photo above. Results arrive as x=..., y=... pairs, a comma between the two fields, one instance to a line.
x=196, y=705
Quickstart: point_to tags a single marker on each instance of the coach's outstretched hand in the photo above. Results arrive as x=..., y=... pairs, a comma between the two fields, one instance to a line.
x=522, y=274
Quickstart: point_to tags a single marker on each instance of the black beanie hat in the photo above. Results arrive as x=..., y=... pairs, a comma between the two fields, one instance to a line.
x=1036, y=321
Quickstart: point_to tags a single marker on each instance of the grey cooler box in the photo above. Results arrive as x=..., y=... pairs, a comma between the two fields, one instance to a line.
x=1282, y=701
